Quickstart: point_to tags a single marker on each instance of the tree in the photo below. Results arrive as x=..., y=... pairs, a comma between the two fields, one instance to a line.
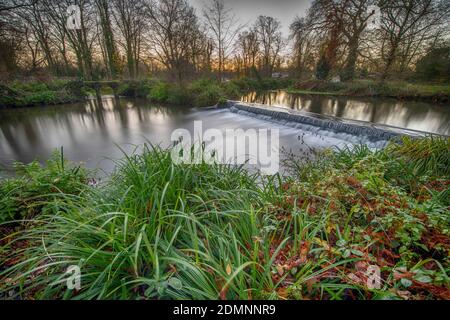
x=406, y=25
x=326, y=27
x=81, y=41
x=173, y=24
x=108, y=42
x=354, y=16
x=435, y=65
x=11, y=37
x=223, y=27
x=304, y=49
x=39, y=26
x=323, y=68
x=247, y=46
x=11, y=5
x=270, y=38
x=130, y=19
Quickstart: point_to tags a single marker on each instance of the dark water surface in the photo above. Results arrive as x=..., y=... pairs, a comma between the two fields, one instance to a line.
x=421, y=116
x=91, y=133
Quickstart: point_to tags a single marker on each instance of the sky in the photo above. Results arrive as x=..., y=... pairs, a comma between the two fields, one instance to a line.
x=248, y=10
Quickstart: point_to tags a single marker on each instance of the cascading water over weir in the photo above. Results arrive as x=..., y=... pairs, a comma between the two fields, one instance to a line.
x=356, y=132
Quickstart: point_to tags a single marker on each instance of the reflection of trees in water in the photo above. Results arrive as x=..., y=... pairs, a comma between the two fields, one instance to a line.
x=444, y=126
x=75, y=122
x=383, y=111
x=15, y=128
x=11, y=138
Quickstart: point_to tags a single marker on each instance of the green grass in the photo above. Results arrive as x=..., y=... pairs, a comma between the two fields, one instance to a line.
x=34, y=93
x=197, y=93
x=37, y=188
x=165, y=231
x=391, y=89
x=201, y=92
x=209, y=92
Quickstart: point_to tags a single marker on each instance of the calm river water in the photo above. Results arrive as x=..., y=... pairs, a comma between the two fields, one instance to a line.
x=91, y=133
x=421, y=116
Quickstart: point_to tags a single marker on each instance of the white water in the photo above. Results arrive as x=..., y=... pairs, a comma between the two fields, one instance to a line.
x=92, y=134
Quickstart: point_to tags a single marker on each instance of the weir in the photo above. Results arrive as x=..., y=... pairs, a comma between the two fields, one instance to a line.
x=350, y=130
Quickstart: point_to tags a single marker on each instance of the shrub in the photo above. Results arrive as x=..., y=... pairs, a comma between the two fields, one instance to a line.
x=76, y=89
x=31, y=86
x=40, y=98
x=140, y=89
x=206, y=93
x=323, y=68
x=435, y=65
x=231, y=90
x=159, y=92
x=36, y=187
x=179, y=96
x=21, y=94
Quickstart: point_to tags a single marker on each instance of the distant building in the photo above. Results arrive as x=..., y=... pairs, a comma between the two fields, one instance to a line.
x=280, y=75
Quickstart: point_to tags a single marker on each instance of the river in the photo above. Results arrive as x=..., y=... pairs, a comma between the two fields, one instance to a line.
x=413, y=115
x=93, y=133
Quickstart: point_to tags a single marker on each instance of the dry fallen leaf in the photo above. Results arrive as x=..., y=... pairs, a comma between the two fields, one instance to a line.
x=283, y=293
x=406, y=295
x=280, y=270
x=228, y=269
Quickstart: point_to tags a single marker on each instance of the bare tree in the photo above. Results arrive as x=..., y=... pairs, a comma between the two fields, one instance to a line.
x=39, y=26
x=339, y=26
x=271, y=41
x=354, y=16
x=130, y=20
x=407, y=24
x=11, y=5
x=223, y=27
x=173, y=23
x=108, y=42
x=81, y=41
x=11, y=38
x=201, y=49
x=247, y=47
x=305, y=44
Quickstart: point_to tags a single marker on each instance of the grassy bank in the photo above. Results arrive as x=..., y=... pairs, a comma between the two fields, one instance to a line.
x=159, y=230
x=367, y=88
x=209, y=92
x=33, y=93
x=199, y=93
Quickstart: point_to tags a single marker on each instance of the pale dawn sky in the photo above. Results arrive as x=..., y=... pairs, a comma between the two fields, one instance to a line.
x=248, y=10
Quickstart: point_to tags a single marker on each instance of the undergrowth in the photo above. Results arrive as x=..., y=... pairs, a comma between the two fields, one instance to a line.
x=157, y=230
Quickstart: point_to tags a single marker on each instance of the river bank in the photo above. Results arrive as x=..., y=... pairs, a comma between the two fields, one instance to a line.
x=166, y=231
x=197, y=93
x=19, y=94
x=209, y=92
x=437, y=93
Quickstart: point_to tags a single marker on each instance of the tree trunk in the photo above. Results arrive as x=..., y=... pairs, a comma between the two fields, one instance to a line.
x=350, y=64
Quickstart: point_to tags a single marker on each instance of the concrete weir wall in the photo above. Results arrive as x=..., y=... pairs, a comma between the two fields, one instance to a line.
x=354, y=131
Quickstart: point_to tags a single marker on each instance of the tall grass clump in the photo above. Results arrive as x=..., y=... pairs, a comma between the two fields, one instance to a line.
x=155, y=230
x=35, y=188
x=424, y=156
